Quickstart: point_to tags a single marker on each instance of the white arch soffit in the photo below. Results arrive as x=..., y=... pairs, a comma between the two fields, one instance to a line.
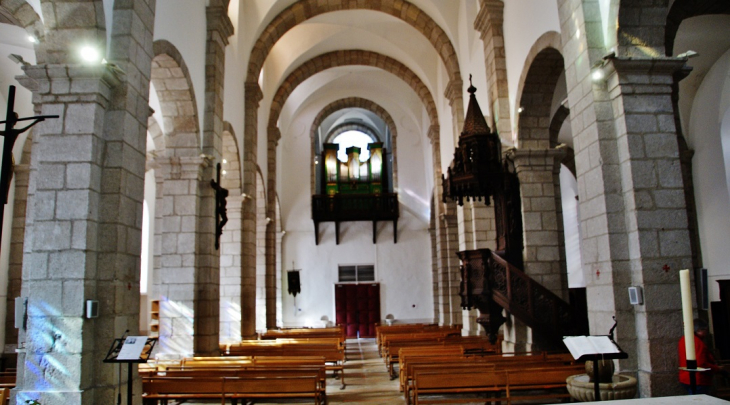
x=154, y=102
x=375, y=84
x=350, y=30
x=571, y=228
x=354, y=114
x=709, y=137
x=524, y=22
x=267, y=10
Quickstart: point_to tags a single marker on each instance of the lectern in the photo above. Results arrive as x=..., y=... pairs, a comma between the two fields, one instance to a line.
x=595, y=348
x=130, y=350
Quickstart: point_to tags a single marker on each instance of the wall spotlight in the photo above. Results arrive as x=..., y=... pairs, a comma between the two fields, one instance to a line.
x=18, y=59
x=519, y=110
x=32, y=39
x=597, y=75
x=89, y=54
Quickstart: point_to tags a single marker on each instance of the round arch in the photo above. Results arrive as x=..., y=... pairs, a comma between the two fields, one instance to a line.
x=365, y=104
x=683, y=9
x=543, y=66
x=353, y=102
x=175, y=91
x=348, y=58
x=306, y=9
x=352, y=126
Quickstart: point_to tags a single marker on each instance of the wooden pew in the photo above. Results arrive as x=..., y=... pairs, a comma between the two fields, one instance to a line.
x=181, y=388
x=332, y=353
x=382, y=332
x=411, y=365
x=7, y=379
x=250, y=371
x=518, y=384
x=272, y=387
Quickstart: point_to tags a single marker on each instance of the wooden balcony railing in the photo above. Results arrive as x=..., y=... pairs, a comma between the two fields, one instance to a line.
x=355, y=207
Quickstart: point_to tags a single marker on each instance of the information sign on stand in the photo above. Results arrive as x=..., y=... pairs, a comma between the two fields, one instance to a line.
x=130, y=350
x=595, y=348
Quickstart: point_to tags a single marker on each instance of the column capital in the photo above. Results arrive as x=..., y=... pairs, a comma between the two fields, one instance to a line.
x=454, y=90
x=433, y=133
x=85, y=83
x=253, y=93
x=274, y=134
x=535, y=158
x=217, y=20
x=635, y=70
x=491, y=14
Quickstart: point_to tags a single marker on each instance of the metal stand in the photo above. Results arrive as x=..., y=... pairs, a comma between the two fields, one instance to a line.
x=111, y=357
x=692, y=368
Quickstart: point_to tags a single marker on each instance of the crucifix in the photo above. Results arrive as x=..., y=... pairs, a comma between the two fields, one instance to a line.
x=10, y=135
x=221, y=216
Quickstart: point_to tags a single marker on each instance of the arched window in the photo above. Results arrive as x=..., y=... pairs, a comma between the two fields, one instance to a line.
x=351, y=138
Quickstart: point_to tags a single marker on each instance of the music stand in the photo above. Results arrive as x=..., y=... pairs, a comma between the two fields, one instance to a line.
x=130, y=350
x=595, y=348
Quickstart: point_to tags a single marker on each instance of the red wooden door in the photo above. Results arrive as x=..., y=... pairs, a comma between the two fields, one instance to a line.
x=357, y=306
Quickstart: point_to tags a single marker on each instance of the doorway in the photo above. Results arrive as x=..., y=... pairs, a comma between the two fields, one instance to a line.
x=357, y=307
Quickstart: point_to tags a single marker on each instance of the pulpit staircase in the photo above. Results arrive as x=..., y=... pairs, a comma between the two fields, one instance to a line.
x=490, y=283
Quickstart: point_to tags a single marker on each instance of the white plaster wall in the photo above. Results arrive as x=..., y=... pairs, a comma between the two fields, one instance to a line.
x=571, y=228
x=398, y=266
x=470, y=49
x=182, y=23
x=710, y=174
x=524, y=22
x=402, y=269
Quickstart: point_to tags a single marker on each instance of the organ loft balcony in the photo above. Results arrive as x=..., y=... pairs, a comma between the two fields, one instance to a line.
x=354, y=190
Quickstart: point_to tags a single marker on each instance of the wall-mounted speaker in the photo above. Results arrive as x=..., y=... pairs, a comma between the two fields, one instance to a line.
x=92, y=309
x=636, y=295
x=21, y=311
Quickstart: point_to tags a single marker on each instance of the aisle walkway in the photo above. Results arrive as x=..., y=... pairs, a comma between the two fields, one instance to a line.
x=366, y=377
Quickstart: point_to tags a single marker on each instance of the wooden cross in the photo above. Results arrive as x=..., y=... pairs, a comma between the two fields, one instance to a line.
x=220, y=206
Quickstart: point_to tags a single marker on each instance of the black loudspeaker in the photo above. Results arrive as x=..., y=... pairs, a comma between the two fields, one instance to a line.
x=703, y=294
x=293, y=279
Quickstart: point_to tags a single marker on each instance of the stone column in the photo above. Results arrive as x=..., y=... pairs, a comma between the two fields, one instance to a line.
x=21, y=174
x=544, y=253
x=655, y=216
x=219, y=29
x=253, y=96
x=445, y=247
x=230, y=302
x=82, y=237
x=489, y=22
x=453, y=93
x=270, y=283
x=188, y=289
x=260, y=281
x=279, y=271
